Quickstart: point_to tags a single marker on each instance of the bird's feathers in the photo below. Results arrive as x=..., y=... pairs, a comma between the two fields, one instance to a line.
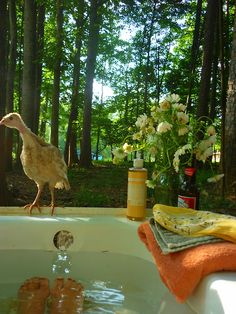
x=42, y=162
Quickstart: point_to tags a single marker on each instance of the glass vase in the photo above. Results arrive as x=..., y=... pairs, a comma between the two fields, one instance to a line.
x=166, y=191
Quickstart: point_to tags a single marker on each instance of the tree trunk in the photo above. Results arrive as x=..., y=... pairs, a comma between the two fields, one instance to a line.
x=211, y=19
x=230, y=125
x=19, y=82
x=57, y=75
x=224, y=72
x=70, y=153
x=213, y=96
x=95, y=20
x=194, y=52
x=147, y=70
x=4, y=195
x=10, y=79
x=28, y=86
x=38, y=74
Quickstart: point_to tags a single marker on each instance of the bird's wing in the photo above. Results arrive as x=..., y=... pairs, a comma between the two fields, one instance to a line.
x=59, y=166
x=43, y=162
x=39, y=140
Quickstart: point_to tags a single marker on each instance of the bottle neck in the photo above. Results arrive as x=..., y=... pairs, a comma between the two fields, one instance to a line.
x=190, y=174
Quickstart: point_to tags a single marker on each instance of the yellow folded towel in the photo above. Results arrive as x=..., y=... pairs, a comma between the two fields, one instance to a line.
x=195, y=223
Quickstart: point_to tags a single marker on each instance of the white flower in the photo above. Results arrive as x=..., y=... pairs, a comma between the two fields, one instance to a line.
x=179, y=107
x=173, y=98
x=142, y=121
x=150, y=129
x=211, y=130
x=183, y=130
x=183, y=118
x=116, y=160
x=176, y=162
x=165, y=105
x=137, y=136
x=205, y=154
x=204, y=144
x=181, y=151
x=215, y=178
x=150, y=184
x=163, y=127
x=212, y=139
x=127, y=148
x=119, y=153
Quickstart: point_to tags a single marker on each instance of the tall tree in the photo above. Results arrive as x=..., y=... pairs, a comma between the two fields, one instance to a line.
x=70, y=153
x=211, y=19
x=230, y=125
x=11, y=78
x=57, y=73
x=95, y=21
x=29, y=59
x=224, y=73
x=39, y=55
x=147, y=70
x=4, y=197
x=194, y=51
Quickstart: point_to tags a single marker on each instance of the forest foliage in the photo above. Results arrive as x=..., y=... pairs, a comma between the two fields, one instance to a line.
x=54, y=54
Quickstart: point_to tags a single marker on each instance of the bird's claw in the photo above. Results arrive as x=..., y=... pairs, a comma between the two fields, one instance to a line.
x=52, y=206
x=31, y=206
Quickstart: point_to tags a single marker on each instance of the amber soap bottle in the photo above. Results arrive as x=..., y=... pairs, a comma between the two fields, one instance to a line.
x=188, y=196
x=137, y=191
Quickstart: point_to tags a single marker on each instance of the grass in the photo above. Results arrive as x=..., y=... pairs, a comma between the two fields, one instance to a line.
x=105, y=185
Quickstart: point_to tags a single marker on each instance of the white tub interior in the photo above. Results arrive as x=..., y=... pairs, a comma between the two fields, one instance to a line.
x=106, y=256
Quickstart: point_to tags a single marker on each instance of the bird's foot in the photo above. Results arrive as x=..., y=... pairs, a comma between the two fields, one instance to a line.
x=31, y=206
x=52, y=206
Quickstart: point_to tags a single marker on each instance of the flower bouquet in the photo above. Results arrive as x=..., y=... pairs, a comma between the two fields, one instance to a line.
x=170, y=138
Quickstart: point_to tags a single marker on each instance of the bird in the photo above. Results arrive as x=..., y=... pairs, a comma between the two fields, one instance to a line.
x=42, y=162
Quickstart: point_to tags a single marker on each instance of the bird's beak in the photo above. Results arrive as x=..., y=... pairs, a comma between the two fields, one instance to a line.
x=2, y=121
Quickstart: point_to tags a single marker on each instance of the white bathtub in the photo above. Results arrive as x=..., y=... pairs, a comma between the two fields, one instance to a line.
x=106, y=256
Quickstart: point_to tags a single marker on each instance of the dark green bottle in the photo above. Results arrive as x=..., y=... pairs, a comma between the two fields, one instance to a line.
x=188, y=195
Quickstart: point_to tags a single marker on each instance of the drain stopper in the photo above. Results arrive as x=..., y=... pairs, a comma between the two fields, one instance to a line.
x=63, y=239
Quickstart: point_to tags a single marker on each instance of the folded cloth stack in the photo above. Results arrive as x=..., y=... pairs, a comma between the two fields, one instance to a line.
x=183, y=260
x=195, y=223
x=171, y=242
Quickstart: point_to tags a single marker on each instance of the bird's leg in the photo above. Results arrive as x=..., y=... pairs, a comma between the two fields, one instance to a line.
x=35, y=202
x=52, y=205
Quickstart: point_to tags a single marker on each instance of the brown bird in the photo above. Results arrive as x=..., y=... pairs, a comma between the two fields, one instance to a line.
x=41, y=161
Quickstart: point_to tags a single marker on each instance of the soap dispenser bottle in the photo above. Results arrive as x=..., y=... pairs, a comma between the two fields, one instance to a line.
x=137, y=191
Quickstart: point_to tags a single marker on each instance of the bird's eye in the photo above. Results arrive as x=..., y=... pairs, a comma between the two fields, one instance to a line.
x=10, y=118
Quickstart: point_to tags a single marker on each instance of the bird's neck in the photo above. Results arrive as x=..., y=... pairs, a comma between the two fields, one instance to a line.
x=23, y=129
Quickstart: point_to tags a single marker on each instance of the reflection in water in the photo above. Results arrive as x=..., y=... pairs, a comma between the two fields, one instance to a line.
x=101, y=297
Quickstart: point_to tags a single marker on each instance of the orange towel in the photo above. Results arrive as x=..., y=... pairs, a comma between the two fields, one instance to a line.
x=182, y=271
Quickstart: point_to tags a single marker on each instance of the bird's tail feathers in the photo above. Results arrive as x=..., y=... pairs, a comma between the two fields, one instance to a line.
x=63, y=184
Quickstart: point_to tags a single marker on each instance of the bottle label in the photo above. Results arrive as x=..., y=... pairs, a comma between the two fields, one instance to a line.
x=189, y=171
x=187, y=201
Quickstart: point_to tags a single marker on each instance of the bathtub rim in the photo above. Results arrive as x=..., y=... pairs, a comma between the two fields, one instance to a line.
x=64, y=211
